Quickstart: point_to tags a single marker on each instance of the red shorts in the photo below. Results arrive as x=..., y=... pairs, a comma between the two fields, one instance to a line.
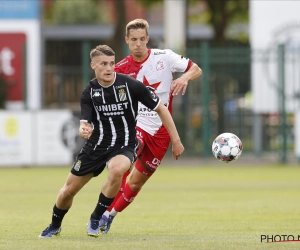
x=151, y=150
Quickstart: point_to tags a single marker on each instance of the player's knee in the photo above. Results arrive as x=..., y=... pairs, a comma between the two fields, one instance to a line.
x=117, y=168
x=135, y=187
x=116, y=171
x=67, y=192
x=136, y=183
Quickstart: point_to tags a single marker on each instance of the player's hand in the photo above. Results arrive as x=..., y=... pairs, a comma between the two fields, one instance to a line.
x=177, y=149
x=179, y=85
x=85, y=130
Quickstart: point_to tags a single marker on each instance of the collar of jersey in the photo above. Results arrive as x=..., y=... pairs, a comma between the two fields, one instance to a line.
x=108, y=85
x=149, y=52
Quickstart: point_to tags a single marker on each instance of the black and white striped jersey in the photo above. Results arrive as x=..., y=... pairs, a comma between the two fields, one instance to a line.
x=113, y=110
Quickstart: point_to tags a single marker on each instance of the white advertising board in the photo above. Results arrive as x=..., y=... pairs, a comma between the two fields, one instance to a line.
x=38, y=138
x=50, y=149
x=16, y=133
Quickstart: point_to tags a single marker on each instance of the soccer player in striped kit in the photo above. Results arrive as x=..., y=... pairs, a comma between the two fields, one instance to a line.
x=109, y=107
x=155, y=68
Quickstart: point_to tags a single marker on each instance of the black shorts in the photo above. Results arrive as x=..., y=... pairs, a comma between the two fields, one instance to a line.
x=90, y=161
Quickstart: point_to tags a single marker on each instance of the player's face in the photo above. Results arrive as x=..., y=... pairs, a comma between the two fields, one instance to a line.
x=104, y=69
x=137, y=41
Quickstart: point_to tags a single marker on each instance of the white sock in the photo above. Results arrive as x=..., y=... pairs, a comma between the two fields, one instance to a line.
x=113, y=212
x=106, y=214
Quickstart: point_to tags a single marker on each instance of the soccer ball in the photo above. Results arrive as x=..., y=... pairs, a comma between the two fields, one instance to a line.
x=227, y=147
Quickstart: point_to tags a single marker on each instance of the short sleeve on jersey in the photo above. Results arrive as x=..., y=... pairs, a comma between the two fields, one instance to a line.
x=178, y=62
x=86, y=105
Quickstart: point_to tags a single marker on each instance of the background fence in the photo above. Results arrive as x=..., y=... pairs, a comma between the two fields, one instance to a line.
x=220, y=101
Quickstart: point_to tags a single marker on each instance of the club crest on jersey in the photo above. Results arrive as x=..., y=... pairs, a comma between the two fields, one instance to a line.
x=122, y=95
x=159, y=65
x=77, y=165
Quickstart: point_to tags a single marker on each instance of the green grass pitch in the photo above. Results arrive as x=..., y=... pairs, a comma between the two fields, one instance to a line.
x=206, y=207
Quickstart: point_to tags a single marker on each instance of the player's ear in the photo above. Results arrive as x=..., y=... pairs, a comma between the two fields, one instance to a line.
x=147, y=39
x=126, y=39
x=92, y=65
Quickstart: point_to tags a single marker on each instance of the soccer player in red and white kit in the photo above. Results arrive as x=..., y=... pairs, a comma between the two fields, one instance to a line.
x=155, y=68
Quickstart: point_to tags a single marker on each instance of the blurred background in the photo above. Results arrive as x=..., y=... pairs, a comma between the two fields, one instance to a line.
x=249, y=52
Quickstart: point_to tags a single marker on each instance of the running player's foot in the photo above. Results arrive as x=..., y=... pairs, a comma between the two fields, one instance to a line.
x=49, y=231
x=93, y=228
x=105, y=223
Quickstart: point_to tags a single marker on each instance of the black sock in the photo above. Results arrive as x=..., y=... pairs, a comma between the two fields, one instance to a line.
x=102, y=205
x=57, y=216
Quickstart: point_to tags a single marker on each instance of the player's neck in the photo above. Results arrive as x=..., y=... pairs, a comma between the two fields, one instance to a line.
x=105, y=83
x=142, y=57
x=139, y=58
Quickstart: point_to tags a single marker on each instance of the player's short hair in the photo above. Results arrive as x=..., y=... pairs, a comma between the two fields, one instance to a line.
x=101, y=50
x=137, y=24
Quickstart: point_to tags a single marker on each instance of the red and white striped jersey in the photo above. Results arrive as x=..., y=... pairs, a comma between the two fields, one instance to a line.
x=155, y=71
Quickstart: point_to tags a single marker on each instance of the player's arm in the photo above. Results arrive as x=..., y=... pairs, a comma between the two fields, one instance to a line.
x=181, y=83
x=151, y=100
x=85, y=128
x=167, y=120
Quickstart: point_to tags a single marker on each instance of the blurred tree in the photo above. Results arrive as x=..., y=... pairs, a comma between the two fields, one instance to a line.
x=223, y=13
x=75, y=12
x=117, y=40
x=220, y=14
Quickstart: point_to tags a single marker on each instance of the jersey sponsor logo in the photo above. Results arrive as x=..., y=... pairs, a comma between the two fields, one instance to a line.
x=122, y=95
x=112, y=107
x=146, y=112
x=77, y=165
x=114, y=113
x=159, y=65
x=159, y=53
x=154, y=164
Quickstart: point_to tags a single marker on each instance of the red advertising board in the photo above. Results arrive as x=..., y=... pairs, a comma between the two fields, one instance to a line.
x=12, y=64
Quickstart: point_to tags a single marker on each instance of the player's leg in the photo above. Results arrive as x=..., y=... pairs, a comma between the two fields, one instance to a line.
x=153, y=152
x=117, y=166
x=64, y=202
x=146, y=164
x=124, y=179
x=139, y=135
x=139, y=176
